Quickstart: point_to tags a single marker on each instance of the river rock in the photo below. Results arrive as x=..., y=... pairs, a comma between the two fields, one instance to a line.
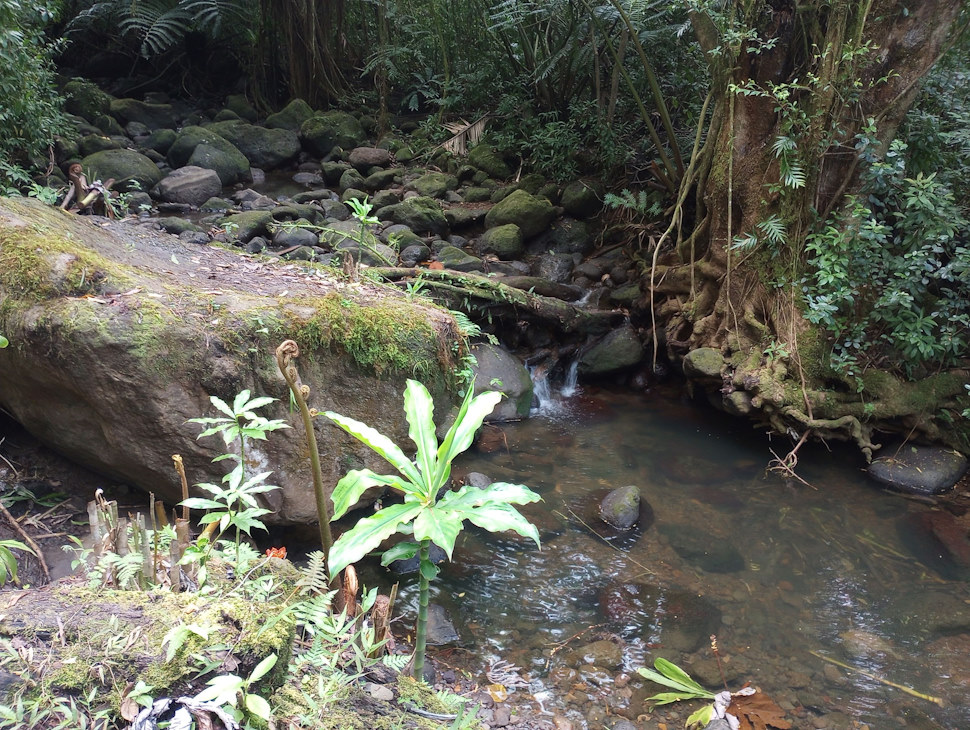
x=248, y=224
x=294, y=236
x=266, y=149
x=441, y=630
x=154, y=116
x=580, y=199
x=190, y=185
x=434, y=184
x=486, y=158
x=918, y=469
x=603, y=653
x=421, y=215
x=322, y=132
x=161, y=140
x=291, y=117
x=502, y=241
x=240, y=106
x=618, y=350
x=704, y=362
x=131, y=170
x=529, y=213
x=498, y=369
x=565, y=236
x=676, y=619
x=364, y=158
x=92, y=143
x=111, y=386
x=621, y=507
x=553, y=266
x=216, y=153
x=85, y=99
x=696, y=546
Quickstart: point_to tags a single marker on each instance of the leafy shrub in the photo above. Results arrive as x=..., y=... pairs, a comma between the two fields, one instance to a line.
x=891, y=279
x=31, y=113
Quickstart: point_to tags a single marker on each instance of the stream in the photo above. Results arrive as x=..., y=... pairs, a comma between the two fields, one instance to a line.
x=786, y=575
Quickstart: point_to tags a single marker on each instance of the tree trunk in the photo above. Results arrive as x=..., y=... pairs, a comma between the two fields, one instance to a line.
x=822, y=72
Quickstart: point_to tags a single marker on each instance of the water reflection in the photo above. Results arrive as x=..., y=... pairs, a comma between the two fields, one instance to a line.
x=818, y=572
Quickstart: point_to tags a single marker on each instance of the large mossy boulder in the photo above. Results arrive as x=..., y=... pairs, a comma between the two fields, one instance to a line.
x=290, y=117
x=421, y=215
x=265, y=148
x=86, y=100
x=188, y=185
x=323, y=132
x=118, y=335
x=153, y=116
x=502, y=241
x=129, y=169
x=204, y=148
x=487, y=159
x=619, y=350
x=532, y=215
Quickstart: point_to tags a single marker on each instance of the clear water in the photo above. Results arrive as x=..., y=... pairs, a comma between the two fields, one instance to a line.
x=832, y=571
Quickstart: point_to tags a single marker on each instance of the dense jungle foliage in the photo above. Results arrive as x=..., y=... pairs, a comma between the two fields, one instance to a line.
x=852, y=205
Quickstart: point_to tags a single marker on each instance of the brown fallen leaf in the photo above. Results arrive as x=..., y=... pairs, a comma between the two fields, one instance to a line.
x=758, y=712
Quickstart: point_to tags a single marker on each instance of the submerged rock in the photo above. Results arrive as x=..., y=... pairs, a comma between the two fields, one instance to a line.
x=919, y=469
x=699, y=548
x=666, y=615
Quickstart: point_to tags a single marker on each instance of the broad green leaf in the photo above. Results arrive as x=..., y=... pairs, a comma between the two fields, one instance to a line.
x=665, y=698
x=368, y=533
x=441, y=526
x=3, y=341
x=462, y=432
x=221, y=404
x=402, y=551
x=262, y=669
x=254, y=404
x=701, y=717
x=258, y=707
x=242, y=398
x=354, y=484
x=497, y=493
x=17, y=545
x=672, y=671
x=419, y=410
x=378, y=442
x=500, y=517
x=200, y=503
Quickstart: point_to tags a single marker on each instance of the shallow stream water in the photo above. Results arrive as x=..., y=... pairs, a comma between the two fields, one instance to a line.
x=787, y=576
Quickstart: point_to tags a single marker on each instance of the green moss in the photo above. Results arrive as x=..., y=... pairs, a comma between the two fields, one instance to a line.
x=387, y=336
x=27, y=270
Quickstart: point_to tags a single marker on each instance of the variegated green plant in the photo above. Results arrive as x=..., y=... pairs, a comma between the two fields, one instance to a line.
x=685, y=688
x=426, y=516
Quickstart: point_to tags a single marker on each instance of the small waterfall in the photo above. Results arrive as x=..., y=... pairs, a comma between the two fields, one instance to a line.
x=550, y=396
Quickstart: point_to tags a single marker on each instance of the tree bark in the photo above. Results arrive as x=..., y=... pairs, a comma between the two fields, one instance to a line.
x=820, y=74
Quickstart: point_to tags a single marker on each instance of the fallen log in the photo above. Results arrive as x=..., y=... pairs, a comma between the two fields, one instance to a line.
x=499, y=299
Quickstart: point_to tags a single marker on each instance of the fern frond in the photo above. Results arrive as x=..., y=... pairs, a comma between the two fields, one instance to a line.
x=159, y=24
x=315, y=578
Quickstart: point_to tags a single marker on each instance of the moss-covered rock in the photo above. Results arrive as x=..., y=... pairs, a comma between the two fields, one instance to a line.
x=204, y=148
x=581, y=199
x=487, y=159
x=321, y=133
x=529, y=213
x=619, y=350
x=704, y=362
x=503, y=241
x=126, y=167
x=421, y=215
x=290, y=117
x=265, y=148
x=240, y=106
x=195, y=322
x=154, y=116
x=435, y=184
x=85, y=99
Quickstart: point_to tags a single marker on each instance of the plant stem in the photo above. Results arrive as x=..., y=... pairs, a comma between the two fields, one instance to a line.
x=284, y=354
x=421, y=630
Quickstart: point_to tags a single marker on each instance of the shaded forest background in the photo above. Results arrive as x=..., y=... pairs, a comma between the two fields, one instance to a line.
x=789, y=174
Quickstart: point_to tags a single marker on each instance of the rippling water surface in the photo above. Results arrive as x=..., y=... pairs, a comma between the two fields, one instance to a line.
x=786, y=575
